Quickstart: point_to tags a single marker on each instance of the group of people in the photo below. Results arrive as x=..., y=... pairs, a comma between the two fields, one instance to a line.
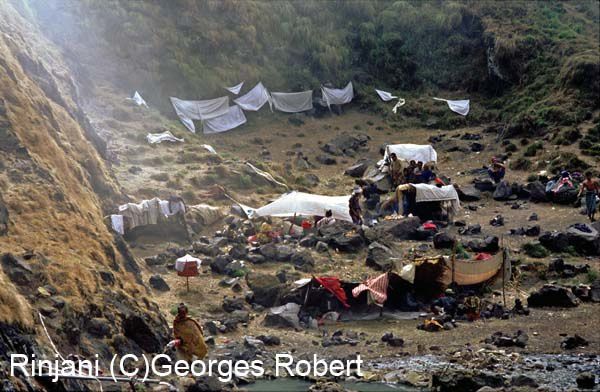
x=416, y=172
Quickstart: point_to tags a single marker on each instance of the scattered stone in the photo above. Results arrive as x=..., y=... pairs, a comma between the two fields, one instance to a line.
x=158, y=283
x=357, y=170
x=586, y=380
x=522, y=380
x=326, y=160
x=443, y=240
x=285, y=316
x=266, y=289
x=17, y=269
x=231, y=304
x=533, y=217
x=498, y=220
x=572, y=342
x=555, y=241
x=489, y=244
x=499, y=339
x=380, y=257
x=470, y=230
x=303, y=261
x=321, y=247
x=270, y=340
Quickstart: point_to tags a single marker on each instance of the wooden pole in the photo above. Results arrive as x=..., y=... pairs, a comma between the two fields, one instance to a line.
x=187, y=283
x=503, y=271
x=453, y=259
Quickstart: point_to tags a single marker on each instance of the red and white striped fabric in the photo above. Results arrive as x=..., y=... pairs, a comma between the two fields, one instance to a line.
x=376, y=286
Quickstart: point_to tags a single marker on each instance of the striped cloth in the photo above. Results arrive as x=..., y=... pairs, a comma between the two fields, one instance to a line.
x=377, y=287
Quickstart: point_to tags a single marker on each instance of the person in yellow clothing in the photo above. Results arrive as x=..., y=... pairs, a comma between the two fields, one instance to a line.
x=189, y=338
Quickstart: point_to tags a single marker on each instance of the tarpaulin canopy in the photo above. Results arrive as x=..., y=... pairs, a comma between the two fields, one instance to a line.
x=334, y=286
x=469, y=272
x=166, y=136
x=199, y=110
x=409, y=152
x=333, y=96
x=460, y=107
x=299, y=203
x=137, y=98
x=426, y=192
x=182, y=261
x=254, y=99
x=377, y=288
x=292, y=102
x=235, y=89
x=385, y=96
x=233, y=118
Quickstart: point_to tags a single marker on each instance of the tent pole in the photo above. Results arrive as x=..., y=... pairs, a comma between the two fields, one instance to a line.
x=453, y=259
x=503, y=271
x=187, y=283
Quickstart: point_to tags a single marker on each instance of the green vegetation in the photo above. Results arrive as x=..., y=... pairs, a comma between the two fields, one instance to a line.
x=530, y=64
x=536, y=250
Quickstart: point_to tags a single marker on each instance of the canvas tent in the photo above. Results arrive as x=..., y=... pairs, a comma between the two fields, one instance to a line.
x=254, y=99
x=417, y=152
x=233, y=118
x=199, y=110
x=461, y=107
x=300, y=203
x=333, y=96
x=235, y=89
x=292, y=102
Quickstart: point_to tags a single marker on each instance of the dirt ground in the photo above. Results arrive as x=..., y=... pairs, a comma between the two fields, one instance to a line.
x=273, y=132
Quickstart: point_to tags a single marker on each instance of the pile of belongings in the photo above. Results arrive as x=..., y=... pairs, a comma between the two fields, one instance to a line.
x=563, y=189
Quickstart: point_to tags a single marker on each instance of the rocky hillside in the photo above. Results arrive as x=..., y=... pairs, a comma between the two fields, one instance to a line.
x=58, y=257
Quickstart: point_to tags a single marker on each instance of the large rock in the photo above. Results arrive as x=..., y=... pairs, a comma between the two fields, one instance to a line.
x=17, y=269
x=489, y=244
x=468, y=193
x=285, y=316
x=380, y=257
x=269, y=251
x=443, y=240
x=158, y=283
x=357, y=170
x=503, y=191
x=537, y=191
x=400, y=229
x=555, y=241
x=551, y=295
x=381, y=180
x=584, y=238
x=303, y=260
x=266, y=288
x=220, y=263
x=484, y=185
x=142, y=331
x=345, y=144
x=283, y=252
x=341, y=236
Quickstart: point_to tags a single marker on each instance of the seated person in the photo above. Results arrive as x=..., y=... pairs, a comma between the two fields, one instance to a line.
x=427, y=174
x=327, y=220
x=497, y=171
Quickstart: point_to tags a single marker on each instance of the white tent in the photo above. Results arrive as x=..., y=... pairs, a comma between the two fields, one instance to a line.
x=166, y=136
x=137, y=98
x=417, y=152
x=461, y=107
x=299, y=203
x=333, y=96
x=232, y=119
x=235, y=89
x=292, y=102
x=385, y=96
x=254, y=99
x=426, y=192
x=199, y=110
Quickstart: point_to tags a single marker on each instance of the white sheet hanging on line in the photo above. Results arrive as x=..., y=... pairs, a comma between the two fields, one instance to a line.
x=235, y=89
x=232, y=119
x=292, y=102
x=209, y=148
x=401, y=102
x=166, y=136
x=254, y=99
x=461, y=107
x=333, y=96
x=385, y=96
x=199, y=110
x=118, y=223
x=299, y=203
x=137, y=98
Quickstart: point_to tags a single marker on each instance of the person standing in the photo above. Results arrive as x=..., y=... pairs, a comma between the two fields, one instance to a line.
x=396, y=170
x=354, y=206
x=591, y=188
x=189, y=338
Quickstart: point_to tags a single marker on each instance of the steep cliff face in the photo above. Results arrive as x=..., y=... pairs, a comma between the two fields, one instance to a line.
x=53, y=187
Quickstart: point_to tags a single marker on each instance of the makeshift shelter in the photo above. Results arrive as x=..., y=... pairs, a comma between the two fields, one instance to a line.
x=199, y=110
x=470, y=272
x=333, y=96
x=433, y=202
x=300, y=203
x=254, y=99
x=167, y=136
x=235, y=89
x=292, y=102
x=187, y=266
x=461, y=106
x=233, y=118
x=411, y=152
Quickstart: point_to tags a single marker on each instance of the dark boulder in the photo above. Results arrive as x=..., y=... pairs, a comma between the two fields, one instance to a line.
x=463, y=381
x=468, y=193
x=555, y=241
x=537, y=191
x=283, y=252
x=380, y=257
x=144, y=332
x=303, y=260
x=220, y=263
x=269, y=340
x=443, y=240
x=586, y=380
x=285, y=316
x=345, y=144
x=551, y=295
x=584, y=238
x=489, y=244
x=17, y=269
x=503, y=191
x=231, y=304
x=572, y=342
x=3, y=217
x=99, y=327
x=326, y=160
x=158, y=283
x=341, y=236
x=266, y=288
x=269, y=251
x=484, y=185
x=357, y=170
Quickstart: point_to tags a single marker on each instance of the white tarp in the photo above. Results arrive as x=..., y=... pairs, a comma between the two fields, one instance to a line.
x=182, y=261
x=166, y=136
x=254, y=99
x=235, y=89
x=385, y=96
x=460, y=107
x=333, y=96
x=118, y=223
x=209, y=148
x=199, y=110
x=409, y=152
x=232, y=119
x=426, y=192
x=292, y=102
x=299, y=203
x=137, y=98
